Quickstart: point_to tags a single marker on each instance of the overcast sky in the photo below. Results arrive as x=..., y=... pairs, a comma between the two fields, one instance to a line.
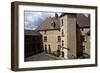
x=33, y=19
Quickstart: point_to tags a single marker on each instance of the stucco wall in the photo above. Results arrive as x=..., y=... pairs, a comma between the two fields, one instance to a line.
x=69, y=27
x=52, y=39
x=64, y=28
x=72, y=36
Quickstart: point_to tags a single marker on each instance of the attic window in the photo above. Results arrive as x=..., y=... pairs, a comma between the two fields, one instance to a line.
x=45, y=32
x=53, y=24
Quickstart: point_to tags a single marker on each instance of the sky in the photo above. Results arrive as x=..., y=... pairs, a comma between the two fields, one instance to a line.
x=33, y=19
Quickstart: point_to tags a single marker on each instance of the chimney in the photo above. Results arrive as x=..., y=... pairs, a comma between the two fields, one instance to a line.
x=56, y=15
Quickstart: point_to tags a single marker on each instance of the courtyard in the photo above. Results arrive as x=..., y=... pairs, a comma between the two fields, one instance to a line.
x=42, y=56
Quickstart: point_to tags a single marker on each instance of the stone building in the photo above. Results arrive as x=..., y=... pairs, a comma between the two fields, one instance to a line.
x=67, y=35
x=50, y=30
x=75, y=35
x=84, y=27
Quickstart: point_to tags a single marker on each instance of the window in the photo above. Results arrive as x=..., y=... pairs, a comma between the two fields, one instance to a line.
x=88, y=33
x=45, y=32
x=82, y=38
x=83, y=47
x=45, y=38
x=62, y=43
x=62, y=54
x=59, y=39
x=53, y=24
x=62, y=22
x=45, y=48
x=59, y=29
x=62, y=33
x=49, y=47
x=82, y=29
x=59, y=47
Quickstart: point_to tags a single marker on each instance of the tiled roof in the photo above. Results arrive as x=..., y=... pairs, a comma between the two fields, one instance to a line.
x=83, y=21
x=32, y=32
x=50, y=23
x=63, y=14
x=53, y=23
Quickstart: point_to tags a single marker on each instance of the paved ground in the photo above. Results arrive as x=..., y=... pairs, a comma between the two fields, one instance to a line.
x=41, y=57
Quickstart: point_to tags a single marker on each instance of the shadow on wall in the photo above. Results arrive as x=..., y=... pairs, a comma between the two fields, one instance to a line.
x=33, y=45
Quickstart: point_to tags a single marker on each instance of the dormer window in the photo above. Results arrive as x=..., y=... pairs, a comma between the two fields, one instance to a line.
x=45, y=32
x=53, y=24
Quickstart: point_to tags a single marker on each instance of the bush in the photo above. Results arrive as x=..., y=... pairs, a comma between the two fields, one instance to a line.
x=46, y=50
x=54, y=53
x=84, y=56
x=58, y=53
x=49, y=50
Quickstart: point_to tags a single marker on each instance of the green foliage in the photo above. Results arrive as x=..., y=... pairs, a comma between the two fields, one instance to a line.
x=81, y=51
x=84, y=56
x=56, y=53
x=49, y=50
x=46, y=50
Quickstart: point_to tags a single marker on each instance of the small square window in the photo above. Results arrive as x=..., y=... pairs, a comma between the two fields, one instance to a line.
x=59, y=39
x=82, y=29
x=45, y=38
x=62, y=43
x=45, y=32
x=59, y=47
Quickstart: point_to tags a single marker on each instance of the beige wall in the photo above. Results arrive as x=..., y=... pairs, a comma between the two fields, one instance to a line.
x=72, y=36
x=69, y=27
x=69, y=38
x=64, y=27
x=52, y=39
x=64, y=38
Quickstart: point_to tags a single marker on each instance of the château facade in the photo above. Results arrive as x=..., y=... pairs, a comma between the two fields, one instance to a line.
x=66, y=35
